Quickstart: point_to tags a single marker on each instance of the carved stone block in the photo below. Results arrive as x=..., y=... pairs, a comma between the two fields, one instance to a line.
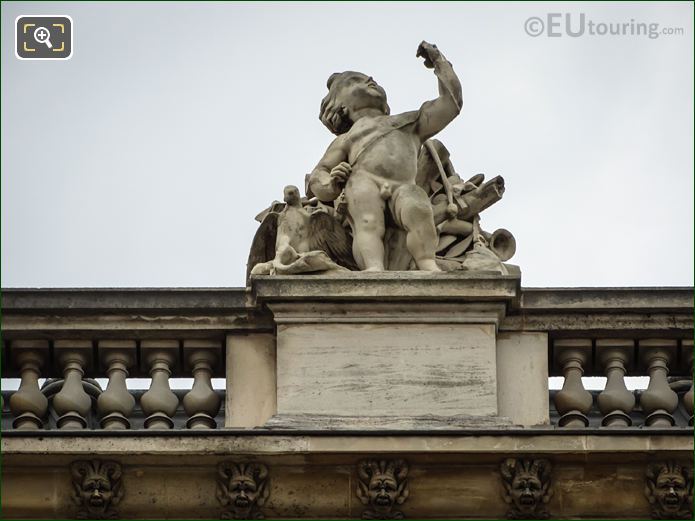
x=97, y=488
x=382, y=485
x=669, y=489
x=527, y=487
x=243, y=489
x=387, y=369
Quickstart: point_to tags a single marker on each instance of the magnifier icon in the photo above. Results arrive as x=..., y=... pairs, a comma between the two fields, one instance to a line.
x=43, y=35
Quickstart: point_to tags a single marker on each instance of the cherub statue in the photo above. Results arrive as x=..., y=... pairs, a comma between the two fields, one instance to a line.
x=291, y=240
x=374, y=160
x=385, y=195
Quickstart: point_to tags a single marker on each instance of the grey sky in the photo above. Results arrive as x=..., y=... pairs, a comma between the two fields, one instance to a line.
x=143, y=160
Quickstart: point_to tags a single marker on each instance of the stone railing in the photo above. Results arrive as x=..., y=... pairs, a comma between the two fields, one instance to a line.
x=442, y=379
x=666, y=402
x=71, y=399
x=250, y=337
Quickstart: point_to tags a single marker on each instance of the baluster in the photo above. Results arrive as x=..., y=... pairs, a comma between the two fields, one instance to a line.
x=115, y=404
x=159, y=403
x=72, y=403
x=615, y=402
x=201, y=403
x=659, y=400
x=573, y=402
x=28, y=404
x=688, y=397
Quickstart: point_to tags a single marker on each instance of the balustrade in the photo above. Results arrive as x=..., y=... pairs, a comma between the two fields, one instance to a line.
x=573, y=402
x=659, y=401
x=159, y=403
x=115, y=405
x=656, y=406
x=28, y=404
x=615, y=402
x=72, y=399
x=688, y=396
x=201, y=403
x=72, y=403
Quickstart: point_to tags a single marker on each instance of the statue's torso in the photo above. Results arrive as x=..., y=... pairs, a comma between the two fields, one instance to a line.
x=384, y=148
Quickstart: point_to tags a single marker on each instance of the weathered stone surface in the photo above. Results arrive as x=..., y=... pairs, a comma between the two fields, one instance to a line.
x=655, y=299
x=393, y=285
x=450, y=484
x=412, y=424
x=453, y=460
x=677, y=443
x=251, y=380
x=522, y=377
x=387, y=369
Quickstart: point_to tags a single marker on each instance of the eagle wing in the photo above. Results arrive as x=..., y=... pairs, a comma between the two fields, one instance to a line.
x=327, y=234
x=263, y=245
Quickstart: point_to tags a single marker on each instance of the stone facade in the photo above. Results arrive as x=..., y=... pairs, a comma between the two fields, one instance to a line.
x=372, y=396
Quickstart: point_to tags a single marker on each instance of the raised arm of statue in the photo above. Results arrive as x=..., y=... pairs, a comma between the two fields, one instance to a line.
x=328, y=178
x=438, y=113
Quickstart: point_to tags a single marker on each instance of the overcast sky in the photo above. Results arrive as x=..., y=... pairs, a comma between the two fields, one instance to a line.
x=143, y=160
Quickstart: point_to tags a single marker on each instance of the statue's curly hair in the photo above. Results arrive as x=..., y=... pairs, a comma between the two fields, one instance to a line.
x=333, y=114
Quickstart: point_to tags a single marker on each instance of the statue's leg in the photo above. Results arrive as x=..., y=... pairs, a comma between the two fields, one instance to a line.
x=366, y=209
x=413, y=212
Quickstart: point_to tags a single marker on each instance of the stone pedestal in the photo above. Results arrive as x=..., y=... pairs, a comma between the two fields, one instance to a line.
x=388, y=345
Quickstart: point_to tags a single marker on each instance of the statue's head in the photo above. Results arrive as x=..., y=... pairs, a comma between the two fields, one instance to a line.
x=382, y=484
x=527, y=486
x=669, y=489
x=97, y=486
x=348, y=92
x=243, y=487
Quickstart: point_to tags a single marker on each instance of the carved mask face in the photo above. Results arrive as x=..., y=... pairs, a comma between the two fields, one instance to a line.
x=671, y=491
x=526, y=492
x=96, y=493
x=383, y=490
x=243, y=492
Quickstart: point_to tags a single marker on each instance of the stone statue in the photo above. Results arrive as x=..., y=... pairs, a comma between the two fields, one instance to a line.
x=97, y=488
x=384, y=196
x=527, y=487
x=669, y=489
x=242, y=488
x=293, y=240
x=382, y=485
x=374, y=158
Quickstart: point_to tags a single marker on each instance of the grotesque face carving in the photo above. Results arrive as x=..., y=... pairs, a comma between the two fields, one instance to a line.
x=97, y=487
x=526, y=488
x=382, y=486
x=243, y=489
x=669, y=489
